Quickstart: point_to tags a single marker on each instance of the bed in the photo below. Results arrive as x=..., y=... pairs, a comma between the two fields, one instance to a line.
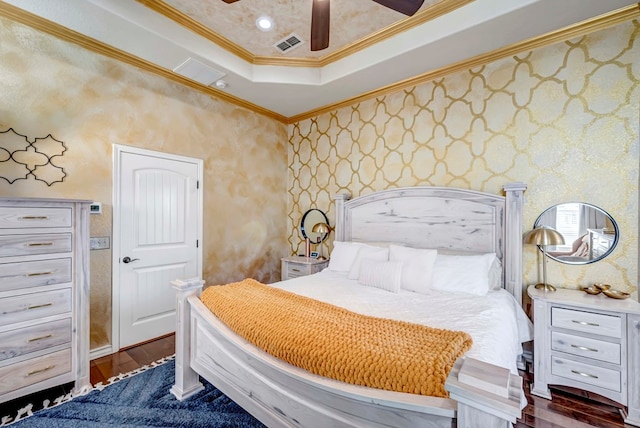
x=279, y=394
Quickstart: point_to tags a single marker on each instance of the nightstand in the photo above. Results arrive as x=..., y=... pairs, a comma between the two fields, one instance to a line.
x=295, y=266
x=587, y=342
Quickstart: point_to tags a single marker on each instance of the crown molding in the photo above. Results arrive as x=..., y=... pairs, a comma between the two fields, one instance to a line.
x=193, y=25
x=595, y=24
x=580, y=29
x=439, y=9
x=34, y=21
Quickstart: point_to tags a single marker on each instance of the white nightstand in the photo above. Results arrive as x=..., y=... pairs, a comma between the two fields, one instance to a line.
x=587, y=342
x=295, y=266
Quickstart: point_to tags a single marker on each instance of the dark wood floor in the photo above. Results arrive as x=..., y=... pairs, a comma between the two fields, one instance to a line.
x=568, y=409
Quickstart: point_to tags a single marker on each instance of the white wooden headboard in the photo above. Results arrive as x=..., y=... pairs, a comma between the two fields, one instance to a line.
x=441, y=218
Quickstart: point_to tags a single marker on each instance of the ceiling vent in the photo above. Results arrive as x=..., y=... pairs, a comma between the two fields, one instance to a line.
x=289, y=43
x=201, y=73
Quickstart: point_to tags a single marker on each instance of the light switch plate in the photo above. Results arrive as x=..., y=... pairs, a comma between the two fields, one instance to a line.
x=99, y=243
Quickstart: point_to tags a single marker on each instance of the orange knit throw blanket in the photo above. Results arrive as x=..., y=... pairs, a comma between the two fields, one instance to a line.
x=336, y=343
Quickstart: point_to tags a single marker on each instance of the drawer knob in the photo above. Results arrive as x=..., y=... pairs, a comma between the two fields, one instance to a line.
x=39, y=244
x=39, y=306
x=584, y=374
x=33, y=217
x=584, y=348
x=34, y=372
x=592, y=324
x=35, y=339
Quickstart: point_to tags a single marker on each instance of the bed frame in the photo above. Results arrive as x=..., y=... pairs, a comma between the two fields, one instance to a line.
x=279, y=394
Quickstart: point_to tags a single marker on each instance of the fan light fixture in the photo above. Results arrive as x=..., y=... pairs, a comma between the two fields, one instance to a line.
x=265, y=23
x=543, y=236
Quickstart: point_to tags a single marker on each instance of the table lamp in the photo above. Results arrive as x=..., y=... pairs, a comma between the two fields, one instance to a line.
x=322, y=229
x=543, y=236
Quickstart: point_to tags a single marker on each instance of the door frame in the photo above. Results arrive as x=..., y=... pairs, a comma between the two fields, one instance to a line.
x=118, y=150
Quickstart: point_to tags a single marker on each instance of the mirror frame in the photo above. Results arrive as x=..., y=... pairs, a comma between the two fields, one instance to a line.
x=306, y=229
x=616, y=234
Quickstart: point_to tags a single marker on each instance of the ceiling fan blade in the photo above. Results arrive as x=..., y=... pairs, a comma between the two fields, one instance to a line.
x=320, y=15
x=407, y=7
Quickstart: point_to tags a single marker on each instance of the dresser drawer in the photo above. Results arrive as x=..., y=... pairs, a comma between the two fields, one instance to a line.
x=588, y=322
x=18, y=276
x=35, y=370
x=34, y=306
x=29, y=217
x=586, y=347
x=35, y=338
x=586, y=373
x=23, y=245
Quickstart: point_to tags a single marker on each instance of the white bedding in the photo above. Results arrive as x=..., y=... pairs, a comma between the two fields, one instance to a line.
x=496, y=322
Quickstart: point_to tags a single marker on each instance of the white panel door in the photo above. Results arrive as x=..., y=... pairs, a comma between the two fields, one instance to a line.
x=158, y=215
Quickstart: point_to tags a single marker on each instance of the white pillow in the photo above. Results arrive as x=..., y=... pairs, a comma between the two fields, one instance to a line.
x=463, y=274
x=343, y=255
x=384, y=275
x=380, y=243
x=377, y=254
x=495, y=273
x=417, y=266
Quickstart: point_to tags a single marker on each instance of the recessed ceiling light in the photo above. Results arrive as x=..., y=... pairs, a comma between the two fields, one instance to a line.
x=264, y=23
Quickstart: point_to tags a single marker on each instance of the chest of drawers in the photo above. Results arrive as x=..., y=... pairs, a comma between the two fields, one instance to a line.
x=588, y=342
x=295, y=266
x=44, y=295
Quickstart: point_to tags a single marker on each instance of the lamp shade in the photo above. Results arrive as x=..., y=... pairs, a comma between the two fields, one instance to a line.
x=543, y=236
x=321, y=228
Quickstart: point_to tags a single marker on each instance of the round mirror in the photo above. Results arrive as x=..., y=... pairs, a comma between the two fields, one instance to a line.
x=589, y=232
x=310, y=219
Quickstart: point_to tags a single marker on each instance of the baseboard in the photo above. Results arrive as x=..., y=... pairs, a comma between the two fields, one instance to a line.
x=100, y=352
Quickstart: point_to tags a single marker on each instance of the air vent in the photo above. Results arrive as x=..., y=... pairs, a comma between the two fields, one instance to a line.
x=201, y=73
x=289, y=43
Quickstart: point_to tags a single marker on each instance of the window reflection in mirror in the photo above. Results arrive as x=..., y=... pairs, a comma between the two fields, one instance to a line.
x=589, y=232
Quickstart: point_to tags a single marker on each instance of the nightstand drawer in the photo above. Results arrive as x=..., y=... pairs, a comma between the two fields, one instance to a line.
x=588, y=322
x=585, y=373
x=30, y=217
x=295, y=270
x=586, y=347
x=34, y=370
x=22, y=245
x=31, y=339
x=34, y=306
x=17, y=276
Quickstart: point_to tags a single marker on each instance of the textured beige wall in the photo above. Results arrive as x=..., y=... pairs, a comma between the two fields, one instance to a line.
x=91, y=102
x=562, y=119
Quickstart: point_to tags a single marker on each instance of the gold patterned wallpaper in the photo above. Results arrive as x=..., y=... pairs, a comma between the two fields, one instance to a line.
x=92, y=102
x=563, y=119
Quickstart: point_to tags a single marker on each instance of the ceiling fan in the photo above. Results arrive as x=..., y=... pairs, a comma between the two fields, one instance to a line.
x=320, y=15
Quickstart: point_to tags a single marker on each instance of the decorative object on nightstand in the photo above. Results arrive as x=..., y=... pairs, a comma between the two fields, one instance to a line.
x=588, y=342
x=296, y=266
x=322, y=229
x=605, y=289
x=542, y=236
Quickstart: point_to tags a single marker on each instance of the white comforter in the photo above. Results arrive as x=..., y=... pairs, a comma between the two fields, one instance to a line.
x=496, y=322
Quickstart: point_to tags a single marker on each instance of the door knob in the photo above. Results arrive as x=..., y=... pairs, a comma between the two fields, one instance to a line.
x=128, y=259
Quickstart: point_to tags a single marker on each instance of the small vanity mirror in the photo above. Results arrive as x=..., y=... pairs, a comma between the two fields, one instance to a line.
x=590, y=233
x=310, y=219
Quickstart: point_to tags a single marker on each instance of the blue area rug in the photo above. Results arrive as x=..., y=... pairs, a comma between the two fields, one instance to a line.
x=143, y=400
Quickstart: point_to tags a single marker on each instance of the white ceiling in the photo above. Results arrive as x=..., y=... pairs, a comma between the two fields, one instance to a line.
x=473, y=29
